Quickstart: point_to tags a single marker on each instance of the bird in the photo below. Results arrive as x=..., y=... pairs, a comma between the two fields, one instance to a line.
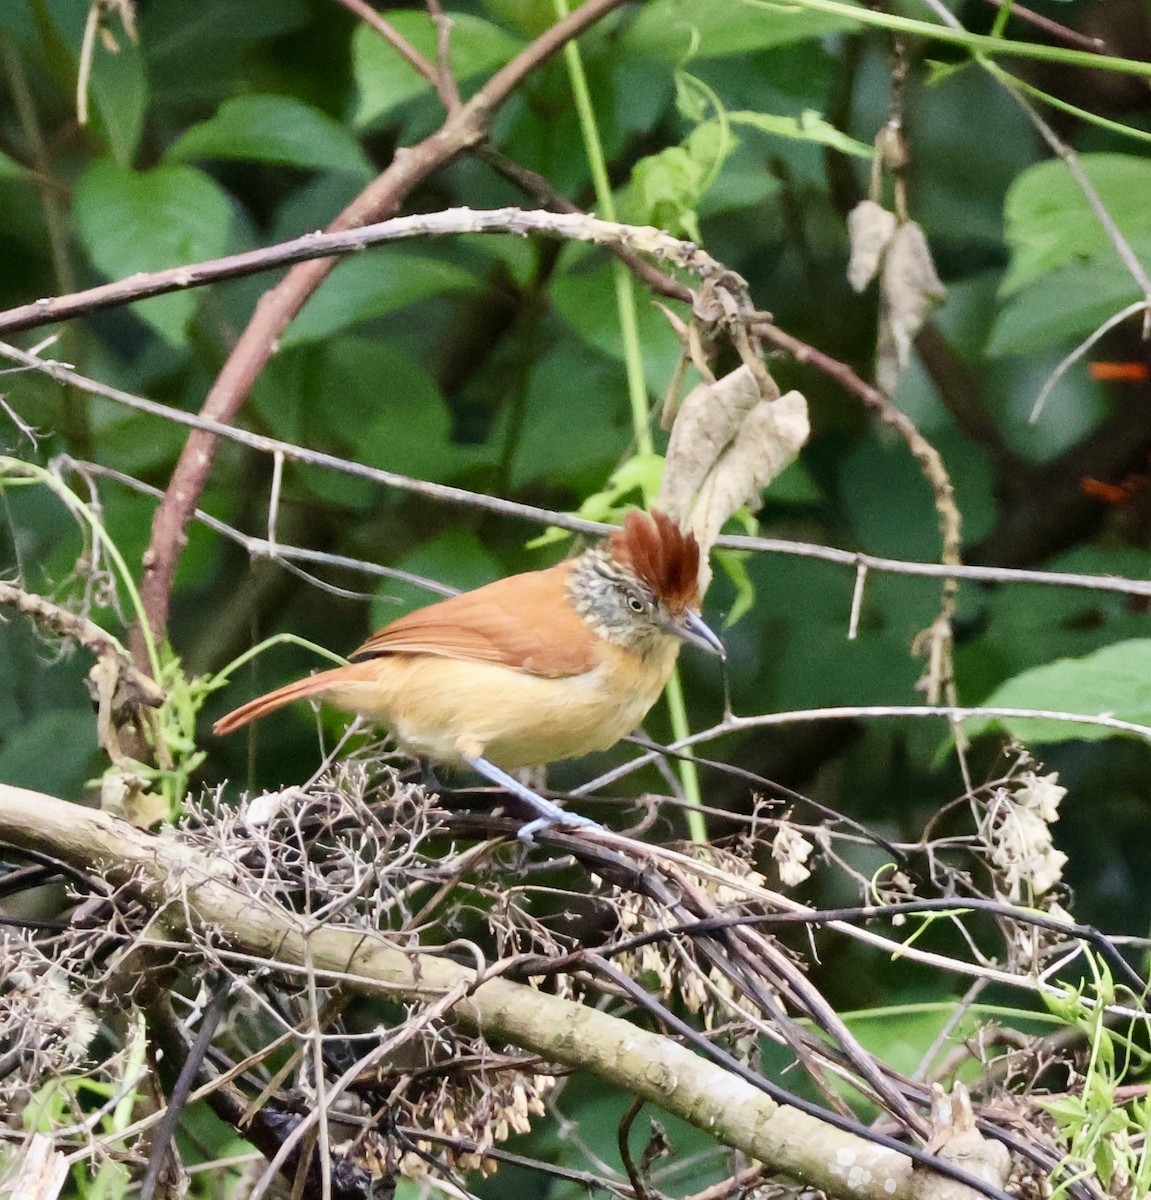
x=528, y=670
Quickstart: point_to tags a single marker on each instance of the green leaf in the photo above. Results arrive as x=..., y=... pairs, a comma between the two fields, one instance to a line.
x=1050, y=224
x=401, y=419
x=373, y=285
x=385, y=80
x=207, y=51
x=810, y=127
x=550, y=448
x=794, y=485
x=118, y=94
x=11, y=169
x=1065, y=305
x=276, y=129
x=640, y=474
x=1068, y=1110
x=585, y=299
x=132, y=221
x=734, y=564
x=117, y=88
x=635, y=481
x=1115, y=681
x=673, y=30
x=666, y=188
x=16, y=20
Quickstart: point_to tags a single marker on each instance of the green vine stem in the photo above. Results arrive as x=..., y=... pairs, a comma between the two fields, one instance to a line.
x=15, y=472
x=637, y=390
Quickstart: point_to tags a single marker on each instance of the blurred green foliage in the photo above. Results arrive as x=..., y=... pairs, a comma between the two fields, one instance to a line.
x=495, y=364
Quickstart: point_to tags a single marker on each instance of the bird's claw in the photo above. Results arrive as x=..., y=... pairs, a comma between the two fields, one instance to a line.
x=549, y=814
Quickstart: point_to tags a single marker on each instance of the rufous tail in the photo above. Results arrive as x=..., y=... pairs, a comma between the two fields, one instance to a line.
x=262, y=705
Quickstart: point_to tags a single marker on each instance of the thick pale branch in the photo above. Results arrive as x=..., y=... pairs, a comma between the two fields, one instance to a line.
x=632, y=240
x=184, y=885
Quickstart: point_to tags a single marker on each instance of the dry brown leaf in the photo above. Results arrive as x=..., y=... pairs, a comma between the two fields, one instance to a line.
x=729, y=442
x=125, y=794
x=909, y=290
x=957, y=1140
x=708, y=420
x=767, y=442
x=869, y=227
x=43, y=1170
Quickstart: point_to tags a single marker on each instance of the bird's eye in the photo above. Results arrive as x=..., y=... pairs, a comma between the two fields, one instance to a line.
x=634, y=603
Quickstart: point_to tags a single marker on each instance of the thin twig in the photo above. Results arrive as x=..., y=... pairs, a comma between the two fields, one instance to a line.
x=1069, y=360
x=446, y=81
x=181, y=1090
x=720, y=1056
x=852, y=559
x=1063, y=33
x=258, y=547
x=395, y=39
x=851, y=712
x=1063, y=151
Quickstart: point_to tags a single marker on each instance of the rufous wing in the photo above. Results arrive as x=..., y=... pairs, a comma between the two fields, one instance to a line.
x=525, y=622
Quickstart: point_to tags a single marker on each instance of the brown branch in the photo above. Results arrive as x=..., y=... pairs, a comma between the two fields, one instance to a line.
x=1072, y=37
x=922, y=450
x=463, y=128
x=763, y=326
x=80, y=629
x=627, y=240
x=961, y=391
x=531, y=183
x=446, y=85
x=935, y=642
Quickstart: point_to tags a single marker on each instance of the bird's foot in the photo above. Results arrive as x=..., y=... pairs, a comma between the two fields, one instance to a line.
x=526, y=833
x=549, y=814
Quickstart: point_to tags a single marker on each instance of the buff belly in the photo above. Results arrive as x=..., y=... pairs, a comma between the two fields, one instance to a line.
x=442, y=707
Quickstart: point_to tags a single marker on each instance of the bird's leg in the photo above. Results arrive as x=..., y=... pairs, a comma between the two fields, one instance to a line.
x=549, y=813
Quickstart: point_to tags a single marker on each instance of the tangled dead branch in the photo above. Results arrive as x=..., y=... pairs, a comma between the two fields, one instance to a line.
x=392, y=1000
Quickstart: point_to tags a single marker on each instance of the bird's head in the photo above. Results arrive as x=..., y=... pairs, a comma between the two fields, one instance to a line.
x=641, y=586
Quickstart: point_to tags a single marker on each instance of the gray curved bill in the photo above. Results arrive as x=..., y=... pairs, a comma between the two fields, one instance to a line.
x=692, y=628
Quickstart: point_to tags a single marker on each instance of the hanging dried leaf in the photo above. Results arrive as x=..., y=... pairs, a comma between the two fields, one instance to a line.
x=870, y=228
x=956, y=1139
x=909, y=290
x=731, y=439
x=791, y=850
x=708, y=420
x=768, y=441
